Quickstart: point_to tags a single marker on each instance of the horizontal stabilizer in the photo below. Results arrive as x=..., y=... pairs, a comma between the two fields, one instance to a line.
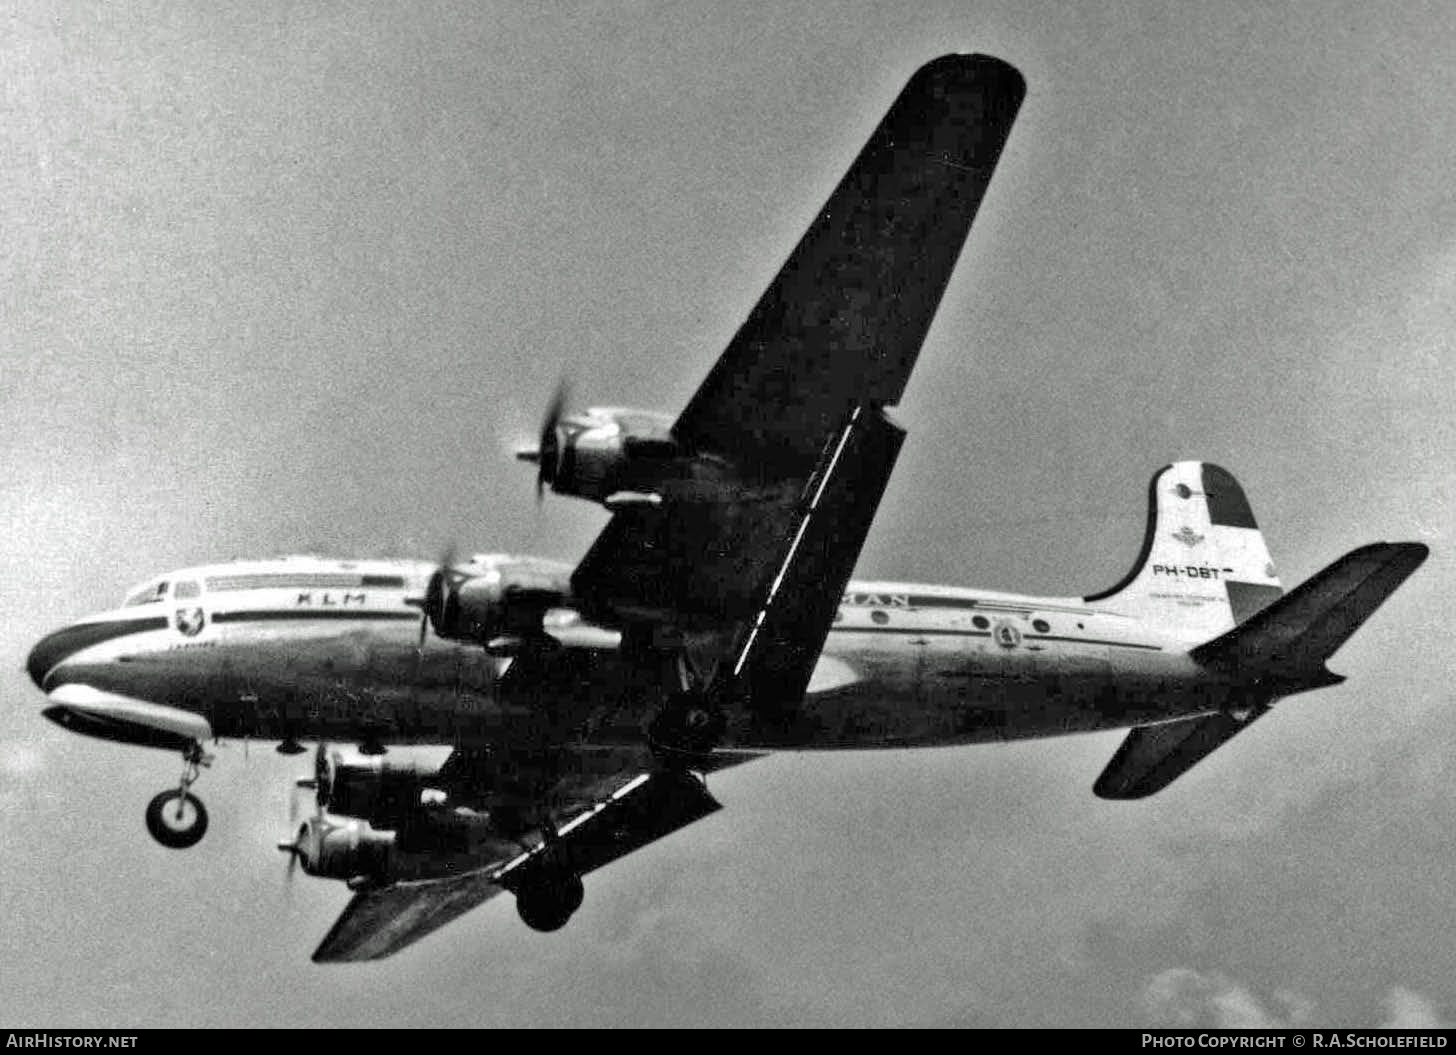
x=1153, y=756
x=1293, y=637
x=1281, y=649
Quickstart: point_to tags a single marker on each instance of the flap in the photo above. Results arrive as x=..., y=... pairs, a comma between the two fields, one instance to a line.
x=380, y=922
x=778, y=658
x=641, y=812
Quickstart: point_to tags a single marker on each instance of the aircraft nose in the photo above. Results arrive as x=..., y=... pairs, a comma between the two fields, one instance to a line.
x=48, y=651
x=57, y=647
x=53, y=649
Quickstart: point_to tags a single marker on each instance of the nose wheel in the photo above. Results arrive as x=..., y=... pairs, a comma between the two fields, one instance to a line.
x=176, y=817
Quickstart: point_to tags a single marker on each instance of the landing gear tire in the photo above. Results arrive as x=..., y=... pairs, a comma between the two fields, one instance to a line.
x=177, y=819
x=547, y=906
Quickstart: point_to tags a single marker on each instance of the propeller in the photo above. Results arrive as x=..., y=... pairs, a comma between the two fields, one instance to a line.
x=435, y=595
x=547, y=451
x=319, y=785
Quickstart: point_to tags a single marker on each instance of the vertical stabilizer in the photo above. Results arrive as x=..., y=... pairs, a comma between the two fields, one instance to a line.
x=1204, y=567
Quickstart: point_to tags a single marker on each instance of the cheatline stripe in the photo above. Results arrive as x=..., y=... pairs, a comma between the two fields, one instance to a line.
x=61, y=645
x=1026, y=638
x=889, y=600
x=248, y=616
x=304, y=581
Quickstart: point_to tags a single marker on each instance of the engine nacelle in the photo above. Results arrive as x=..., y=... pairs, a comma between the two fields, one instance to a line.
x=374, y=788
x=606, y=451
x=496, y=596
x=343, y=848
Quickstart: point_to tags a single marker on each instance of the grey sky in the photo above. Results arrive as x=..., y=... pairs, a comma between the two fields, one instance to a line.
x=282, y=277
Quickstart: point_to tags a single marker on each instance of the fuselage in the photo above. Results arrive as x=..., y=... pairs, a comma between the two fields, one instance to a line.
x=315, y=648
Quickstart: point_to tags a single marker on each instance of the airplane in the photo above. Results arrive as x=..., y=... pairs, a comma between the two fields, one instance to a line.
x=713, y=620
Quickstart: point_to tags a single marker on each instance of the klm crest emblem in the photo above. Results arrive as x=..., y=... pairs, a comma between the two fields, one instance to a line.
x=1188, y=536
x=190, y=621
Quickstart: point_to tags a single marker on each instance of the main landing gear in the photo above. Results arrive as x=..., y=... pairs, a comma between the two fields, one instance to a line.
x=176, y=817
x=548, y=903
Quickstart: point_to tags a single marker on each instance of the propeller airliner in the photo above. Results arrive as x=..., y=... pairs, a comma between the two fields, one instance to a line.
x=714, y=619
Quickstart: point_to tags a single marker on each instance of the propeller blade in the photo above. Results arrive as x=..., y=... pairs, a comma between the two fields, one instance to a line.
x=548, y=449
x=321, y=778
x=557, y=406
x=433, y=607
x=290, y=869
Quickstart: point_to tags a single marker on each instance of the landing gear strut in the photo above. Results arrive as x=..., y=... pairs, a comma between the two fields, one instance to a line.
x=688, y=727
x=176, y=817
x=548, y=904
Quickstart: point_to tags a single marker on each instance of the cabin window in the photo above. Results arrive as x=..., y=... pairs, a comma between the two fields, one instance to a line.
x=187, y=590
x=879, y=618
x=151, y=593
x=303, y=580
x=1041, y=626
x=980, y=622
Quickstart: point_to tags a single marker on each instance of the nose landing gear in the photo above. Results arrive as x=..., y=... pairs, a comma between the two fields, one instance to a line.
x=176, y=817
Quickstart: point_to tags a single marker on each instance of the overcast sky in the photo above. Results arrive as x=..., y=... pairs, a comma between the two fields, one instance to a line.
x=280, y=276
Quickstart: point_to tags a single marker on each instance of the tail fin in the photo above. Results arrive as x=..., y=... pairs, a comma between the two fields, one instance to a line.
x=1204, y=567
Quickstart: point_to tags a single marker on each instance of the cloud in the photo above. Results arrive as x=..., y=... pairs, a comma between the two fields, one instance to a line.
x=1407, y=1009
x=1183, y=997
x=20, y=761
x=1187, y=998
x=22, y=771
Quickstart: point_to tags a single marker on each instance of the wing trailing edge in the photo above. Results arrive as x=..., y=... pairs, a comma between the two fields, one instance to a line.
x=379, y=922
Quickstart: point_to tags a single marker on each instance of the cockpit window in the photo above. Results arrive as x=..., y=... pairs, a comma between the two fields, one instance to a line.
x=186, y=590
x=151, y=593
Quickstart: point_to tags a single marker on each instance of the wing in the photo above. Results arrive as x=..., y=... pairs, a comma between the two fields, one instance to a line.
x=789, y=425
x=843, y=321
x=640, y=812
x=380, y=922
x=1153, y=756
